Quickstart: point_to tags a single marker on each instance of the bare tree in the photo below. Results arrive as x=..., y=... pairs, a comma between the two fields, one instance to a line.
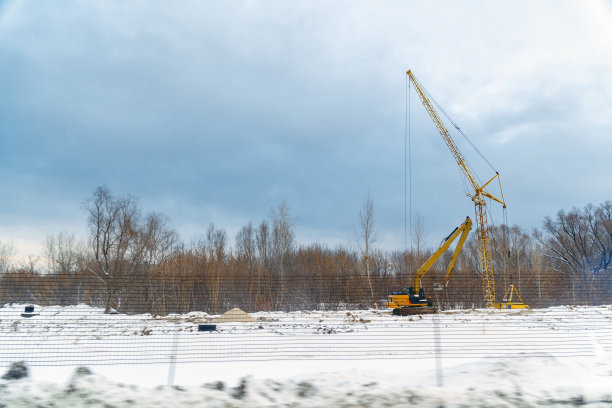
x=7, y=252
x=263, y=242
x=156, y=238
x=216, y=242
x=147, y=271
x=418, y=234
x=113, y=224
x=603, y=235
x=581, y=241
x=368, y=236
x=570, y=239
x=155, y=245
x=245, y=252
x=30, y=264
x=64, y=254
x=245, y=242
x=282, y=244
x=539, y=263
x=65, y=257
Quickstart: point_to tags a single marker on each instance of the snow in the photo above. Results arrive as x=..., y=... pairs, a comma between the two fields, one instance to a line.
x=559, y=356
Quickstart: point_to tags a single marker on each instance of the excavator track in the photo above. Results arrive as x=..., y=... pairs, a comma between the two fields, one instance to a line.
x=409, y=311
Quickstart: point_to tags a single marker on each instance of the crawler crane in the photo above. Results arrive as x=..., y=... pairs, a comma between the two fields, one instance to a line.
x=413, y=301
x=478, y=196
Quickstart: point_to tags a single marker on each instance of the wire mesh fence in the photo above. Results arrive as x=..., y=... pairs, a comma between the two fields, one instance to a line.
x=148, y=301
x=134, y=295
x=83, y=335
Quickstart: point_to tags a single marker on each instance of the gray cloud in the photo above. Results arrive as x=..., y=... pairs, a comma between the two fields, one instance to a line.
x=215, y=112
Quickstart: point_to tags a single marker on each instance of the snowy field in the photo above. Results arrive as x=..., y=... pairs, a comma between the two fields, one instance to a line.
x=559, y=356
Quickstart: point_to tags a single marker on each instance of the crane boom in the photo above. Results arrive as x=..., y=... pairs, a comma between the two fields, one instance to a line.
x=450, y=143
x=478, y=197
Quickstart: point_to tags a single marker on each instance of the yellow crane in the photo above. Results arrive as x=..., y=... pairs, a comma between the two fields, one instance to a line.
x=414, y=301
x=478, y=196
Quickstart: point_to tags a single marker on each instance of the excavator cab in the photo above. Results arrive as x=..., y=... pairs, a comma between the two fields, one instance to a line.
x=410, y=302
x=414, y=298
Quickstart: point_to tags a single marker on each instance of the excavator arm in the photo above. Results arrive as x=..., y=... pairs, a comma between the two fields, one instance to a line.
x=461, y=231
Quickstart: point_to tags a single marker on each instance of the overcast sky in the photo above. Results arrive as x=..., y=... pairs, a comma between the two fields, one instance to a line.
x=215, y=112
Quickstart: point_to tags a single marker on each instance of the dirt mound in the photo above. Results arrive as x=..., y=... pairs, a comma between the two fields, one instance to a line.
x=234, y=315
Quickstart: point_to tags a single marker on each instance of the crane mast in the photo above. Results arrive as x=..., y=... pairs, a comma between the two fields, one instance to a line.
x=478, y=197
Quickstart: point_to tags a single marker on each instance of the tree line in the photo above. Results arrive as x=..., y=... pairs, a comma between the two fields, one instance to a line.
x=135, y=263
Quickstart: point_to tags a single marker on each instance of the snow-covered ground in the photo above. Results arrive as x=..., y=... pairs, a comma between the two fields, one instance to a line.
x=559, y=356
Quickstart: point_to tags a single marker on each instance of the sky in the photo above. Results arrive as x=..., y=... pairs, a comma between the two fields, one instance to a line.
x=216, y=112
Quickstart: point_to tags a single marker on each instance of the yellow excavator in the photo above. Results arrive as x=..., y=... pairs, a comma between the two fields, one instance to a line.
x=478, y=196
x=414, y=301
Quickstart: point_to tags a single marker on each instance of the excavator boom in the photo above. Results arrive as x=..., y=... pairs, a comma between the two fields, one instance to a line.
x=462, y=230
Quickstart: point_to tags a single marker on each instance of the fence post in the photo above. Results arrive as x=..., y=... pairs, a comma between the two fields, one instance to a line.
x=438, y=351
x=172, y=368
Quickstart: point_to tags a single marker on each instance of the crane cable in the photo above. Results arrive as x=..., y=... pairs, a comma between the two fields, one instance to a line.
x=407, y=170
x=441, y=109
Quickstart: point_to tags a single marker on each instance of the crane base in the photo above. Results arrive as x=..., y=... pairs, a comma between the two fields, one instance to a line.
x=510, y=305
